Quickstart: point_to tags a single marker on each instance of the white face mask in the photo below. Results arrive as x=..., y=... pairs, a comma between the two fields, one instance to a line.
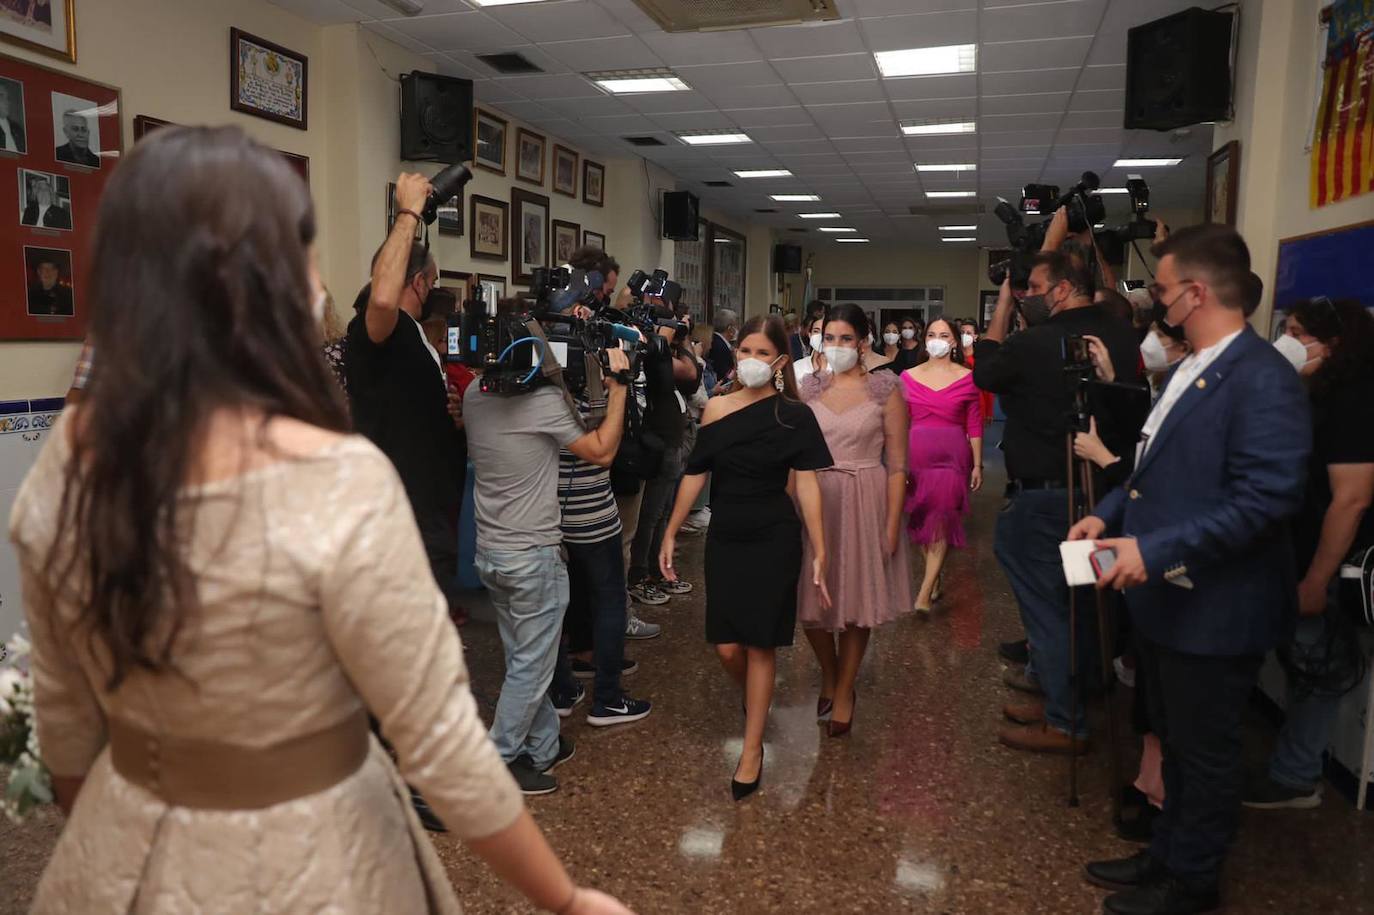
x=754, y=373
x=937, y=348
x=908, y=333
x=967, y=340
x=1294, y=350
x=1152, y=351
x=815, y=342
x=891, y=339
x=841, y=358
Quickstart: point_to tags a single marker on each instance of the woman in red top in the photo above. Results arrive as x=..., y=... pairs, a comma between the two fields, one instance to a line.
x=968, y=335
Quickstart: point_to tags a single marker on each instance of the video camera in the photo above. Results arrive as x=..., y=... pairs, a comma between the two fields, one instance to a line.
x=648, y=316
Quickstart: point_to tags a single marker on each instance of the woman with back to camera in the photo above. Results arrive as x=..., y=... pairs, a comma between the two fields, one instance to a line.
x=758, y=443
x=220, y=583
x=945, y=452
x=864, y=420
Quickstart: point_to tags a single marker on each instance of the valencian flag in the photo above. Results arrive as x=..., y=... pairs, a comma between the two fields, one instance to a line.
x=1343, y=142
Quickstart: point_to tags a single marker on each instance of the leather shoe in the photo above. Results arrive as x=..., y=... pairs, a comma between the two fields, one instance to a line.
x=1017, y=680
x=1140, y=869
x=1040, y=738
x=1024, y=713
x=1017, y=652
x=1139, y=828
x=1169, y=896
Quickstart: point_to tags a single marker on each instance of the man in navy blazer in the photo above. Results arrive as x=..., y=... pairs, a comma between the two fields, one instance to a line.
x=1204, y=559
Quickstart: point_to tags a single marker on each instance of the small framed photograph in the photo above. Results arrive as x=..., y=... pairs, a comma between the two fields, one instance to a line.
x=13, y=125
x=267, y=80
x=450, y=221
x=529, y=234
x=76, y=130
x=988, y=304
x=489, y=141
x=489, y=233
x=390, y=205
x=46, y=26
x=566, y=238
x=564, y=171
x=45, y=200
x=595, y=239
x=144, y=125
x=1223, y=174
x=299, y=164
x=529, y=157
x=491, y=289
x=593, y=183
x=48, y=274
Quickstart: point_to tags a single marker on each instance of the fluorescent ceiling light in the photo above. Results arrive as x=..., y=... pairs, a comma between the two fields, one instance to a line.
x=954, y=58
x=946, y=167
x=713, y=138
x=836, y=229
x=794, y=198
x=819, y=215
x=937, y=128
x=764, y=173
x=1144, y=163
x=962, y=238
x=950, y=193
x=958, y=228
x=853, y=241
x=629, y=82
x=1111, y=190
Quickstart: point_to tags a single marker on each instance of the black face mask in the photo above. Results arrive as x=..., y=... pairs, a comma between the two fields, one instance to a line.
x=1035, y=309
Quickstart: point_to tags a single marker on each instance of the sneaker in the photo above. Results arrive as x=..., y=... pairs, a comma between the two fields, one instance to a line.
x=698, y=521
x=1267, y=794
x=566, y=751
x=604, y=716
x=674, y=588
x=1017, y=652
x=564, y=705
x=529, y=778
x=583, y=670
x=646, y=593
x=636, y=628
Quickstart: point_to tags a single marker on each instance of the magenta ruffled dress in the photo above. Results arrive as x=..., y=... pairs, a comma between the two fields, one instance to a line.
x=940, y=458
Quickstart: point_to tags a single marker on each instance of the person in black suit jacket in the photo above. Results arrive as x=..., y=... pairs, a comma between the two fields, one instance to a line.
x=722, y=354
x=1204, y=557
x=12, y=136
x=77, y=149
x=43, y=210
x=50, y=297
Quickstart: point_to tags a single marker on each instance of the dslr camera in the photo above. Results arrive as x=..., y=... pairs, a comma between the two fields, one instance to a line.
x=1085, y=210
x=648, y=316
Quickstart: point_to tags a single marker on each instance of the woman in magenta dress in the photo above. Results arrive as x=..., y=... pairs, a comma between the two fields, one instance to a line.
x=945, y=452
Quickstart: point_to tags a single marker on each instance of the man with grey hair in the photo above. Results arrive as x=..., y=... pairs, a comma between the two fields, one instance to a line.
x=77, y=149
x=722, y=354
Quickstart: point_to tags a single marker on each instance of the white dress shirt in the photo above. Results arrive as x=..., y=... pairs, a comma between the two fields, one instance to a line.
x=7, y=142
x=1189, y=370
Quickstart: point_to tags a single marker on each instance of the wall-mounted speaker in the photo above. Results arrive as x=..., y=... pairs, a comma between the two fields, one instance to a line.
x=1178, y=70
x=787, y=259
x=680, y=212
x=436, y=118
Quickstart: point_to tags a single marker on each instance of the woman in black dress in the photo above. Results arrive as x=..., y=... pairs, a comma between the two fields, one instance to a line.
x=760, y=444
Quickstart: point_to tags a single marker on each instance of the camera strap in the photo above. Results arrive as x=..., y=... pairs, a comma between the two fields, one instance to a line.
x=552, y=372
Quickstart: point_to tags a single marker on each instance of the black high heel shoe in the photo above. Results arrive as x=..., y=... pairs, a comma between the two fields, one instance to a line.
x=740, y=790
x=837, y=728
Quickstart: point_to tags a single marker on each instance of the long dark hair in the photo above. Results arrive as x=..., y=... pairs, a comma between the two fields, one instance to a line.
x=956, y=346
x=200, y=300
x=852, y=315
x=1347, y=328
x=771, y=326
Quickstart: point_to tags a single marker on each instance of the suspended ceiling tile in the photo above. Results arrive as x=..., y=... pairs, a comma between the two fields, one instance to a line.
x=1041, y=21
x=960, y=85
x=695, y=48
x=770, y=117
x=1029, y=103
x=825, y=69
x=1031, y=55
x=1103, y=76
x=923, y=30
x=728, y=76
x=561, y=21
x=1018, y=82
x=591, y=54
x=966, y=108
x=860, y=90
x=751, y=96
x=834, y=37
x=458, y=32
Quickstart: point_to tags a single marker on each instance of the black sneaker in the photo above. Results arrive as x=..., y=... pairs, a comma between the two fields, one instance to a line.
x=1267, y=794
x=604, y=716
x=564, y=705
x=1016, y=652
x=566, y=751
x=584, y=670
x=529, y=778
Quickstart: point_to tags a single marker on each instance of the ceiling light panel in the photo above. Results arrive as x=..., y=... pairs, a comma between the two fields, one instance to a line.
x=795, y=198
x=1144, y=163
x=946, y=167
x=819, y=215
x=853, y=241
x=836, y=230
x=712, y=137
x=954, y=58
x=632, y=82
x=940, y=194
x=959, y=238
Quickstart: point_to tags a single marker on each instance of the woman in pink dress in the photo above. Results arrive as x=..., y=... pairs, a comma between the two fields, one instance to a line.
x=946, y=452
x=864, y=422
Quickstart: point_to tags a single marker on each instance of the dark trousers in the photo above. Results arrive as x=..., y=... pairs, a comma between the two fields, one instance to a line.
x=596, y=617
x=1196, y=703
x=439, y=533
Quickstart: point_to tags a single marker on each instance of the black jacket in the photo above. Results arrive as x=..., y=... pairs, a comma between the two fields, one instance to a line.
x=57, y=217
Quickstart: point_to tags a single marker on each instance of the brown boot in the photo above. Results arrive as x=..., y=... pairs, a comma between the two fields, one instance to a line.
x=1017, y=680
x=1041, y=738
x=1024, y=713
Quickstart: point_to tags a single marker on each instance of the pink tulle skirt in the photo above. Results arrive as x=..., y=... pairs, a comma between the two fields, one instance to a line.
x=937, y=494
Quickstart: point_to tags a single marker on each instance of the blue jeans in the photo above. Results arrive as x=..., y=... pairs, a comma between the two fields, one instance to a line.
x=1029, y=531
x=1297, y=759
x=529, y=589
x=596, y=617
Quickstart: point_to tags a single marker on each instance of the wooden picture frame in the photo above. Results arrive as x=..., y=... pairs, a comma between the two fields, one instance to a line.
x=489, y=232
x=55, y=37
x=490, y=285
x=593, y=183
x=528, y=144
x=145, y=124
x=267, y=80
x=564, y=239
x=455, y=279
x=529, y=237
x=489, y=153
x=594, y=238
x=1223, y=178
x=565, y=170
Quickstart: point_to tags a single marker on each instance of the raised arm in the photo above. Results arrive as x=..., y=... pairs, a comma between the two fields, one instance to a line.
x=389, y=270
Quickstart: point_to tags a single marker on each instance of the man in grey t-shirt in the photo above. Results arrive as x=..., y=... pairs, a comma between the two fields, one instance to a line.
x=513, y=443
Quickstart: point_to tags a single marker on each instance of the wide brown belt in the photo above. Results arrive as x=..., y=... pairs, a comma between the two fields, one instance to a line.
x=212, y=775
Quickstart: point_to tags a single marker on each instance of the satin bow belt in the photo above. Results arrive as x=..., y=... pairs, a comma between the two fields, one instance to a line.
x=851, y=467
x=212, y=775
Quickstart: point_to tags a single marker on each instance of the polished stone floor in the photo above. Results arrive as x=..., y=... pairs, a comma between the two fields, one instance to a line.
x=918, y=810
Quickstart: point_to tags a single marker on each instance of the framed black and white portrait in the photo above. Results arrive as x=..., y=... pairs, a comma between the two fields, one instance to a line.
x=76, y=130
x=529, y=234
x=14, y=134
x=48, y=275
x=45, y=200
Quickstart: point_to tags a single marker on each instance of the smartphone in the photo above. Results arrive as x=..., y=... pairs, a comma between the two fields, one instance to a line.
x=1102, y=561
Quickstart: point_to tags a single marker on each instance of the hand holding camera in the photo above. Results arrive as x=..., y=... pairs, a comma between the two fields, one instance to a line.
x=618, y=365
x=1101, y=358
x=412, y=190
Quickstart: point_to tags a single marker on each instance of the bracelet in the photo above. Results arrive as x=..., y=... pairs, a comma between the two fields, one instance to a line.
x=567, y=906
x=404, y=212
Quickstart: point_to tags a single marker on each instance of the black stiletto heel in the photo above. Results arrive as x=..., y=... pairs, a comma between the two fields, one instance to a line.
x=740, y=790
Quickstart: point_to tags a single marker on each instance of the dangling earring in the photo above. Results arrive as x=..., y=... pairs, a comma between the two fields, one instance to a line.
x=777, y=380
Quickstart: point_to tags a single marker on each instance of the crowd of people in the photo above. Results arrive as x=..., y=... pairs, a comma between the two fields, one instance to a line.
x=245, y=619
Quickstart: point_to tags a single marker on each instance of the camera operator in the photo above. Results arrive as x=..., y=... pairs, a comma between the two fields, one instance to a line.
x=1028, y=373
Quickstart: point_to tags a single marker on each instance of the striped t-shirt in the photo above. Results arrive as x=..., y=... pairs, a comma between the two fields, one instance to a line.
x=585, y=496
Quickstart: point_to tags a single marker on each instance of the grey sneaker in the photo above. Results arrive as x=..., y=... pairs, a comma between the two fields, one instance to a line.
x=646, y=593
x=1267, y=794
x=529, y=778
x=636, y=628
x=674, y=588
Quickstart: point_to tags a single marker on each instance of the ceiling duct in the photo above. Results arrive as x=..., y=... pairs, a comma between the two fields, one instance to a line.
x=719, y=15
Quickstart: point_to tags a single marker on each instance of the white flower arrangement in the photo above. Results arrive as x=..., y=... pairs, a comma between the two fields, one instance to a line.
x=29, y=782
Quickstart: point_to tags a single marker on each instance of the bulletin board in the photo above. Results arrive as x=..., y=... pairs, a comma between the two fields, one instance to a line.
x=1334, y=263
x=60, y=139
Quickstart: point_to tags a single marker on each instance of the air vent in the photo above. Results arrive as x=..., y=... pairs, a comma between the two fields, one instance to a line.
x=717, y=15
x=717, y=184
x=765, y=211
x=644, y=141
x=509, y=62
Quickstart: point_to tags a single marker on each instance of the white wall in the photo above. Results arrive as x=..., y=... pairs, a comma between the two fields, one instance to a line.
x=895, y=264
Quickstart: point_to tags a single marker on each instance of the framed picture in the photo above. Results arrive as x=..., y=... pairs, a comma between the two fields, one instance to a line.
x=45, y=200
x=48, y=275
x=14, y=130
x=267, y=80
x=566, y=237
x=75, y=130
x=564, y=171
x=595, y=239
x=46, y=26
x=491, y=288
x=145, y=124
x=450, y=221
x=593, y=183
x=988, y=304
x=529, y=157
x=489, y=233
x=460, y=282
x=488, y=141
x=529, y=239
x=1223, y=174
x=299, y=164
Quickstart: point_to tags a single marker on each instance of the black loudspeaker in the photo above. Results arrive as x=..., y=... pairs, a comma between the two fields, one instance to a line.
x=680, y=211
x=787, y=259
x=436, y=118
x=1178, y=70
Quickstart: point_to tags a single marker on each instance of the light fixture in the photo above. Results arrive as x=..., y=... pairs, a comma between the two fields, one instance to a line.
x=852, y=241
x=950, y=193
x=836, y=229
x=960, y=238
x=958, y=228
x=937, y=128
x=764, y=173
x=1111, y=190
x=712, y=137
x=629, y=82
x=1144, y=163
x=794, y=198
x=953, y=58
x=946, y=167
x=818, y=215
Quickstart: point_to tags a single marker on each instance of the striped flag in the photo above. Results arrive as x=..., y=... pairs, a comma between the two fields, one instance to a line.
x=1343, y=148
